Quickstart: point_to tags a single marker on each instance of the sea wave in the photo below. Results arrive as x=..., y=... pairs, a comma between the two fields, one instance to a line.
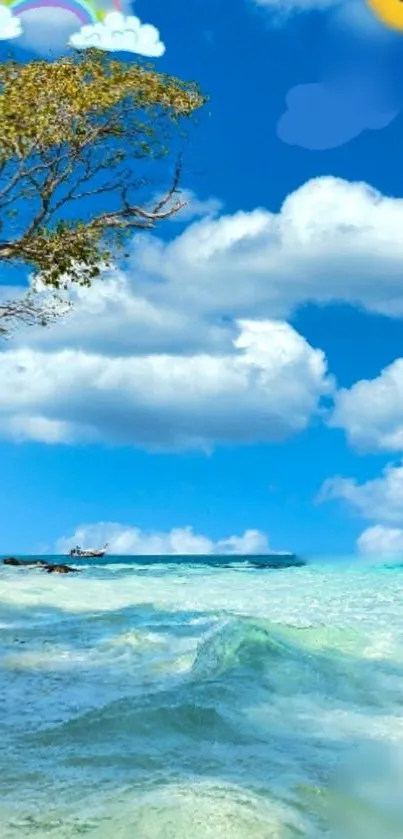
x=253, y=703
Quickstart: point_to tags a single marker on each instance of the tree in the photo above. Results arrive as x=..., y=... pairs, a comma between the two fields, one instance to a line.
x=73, y=130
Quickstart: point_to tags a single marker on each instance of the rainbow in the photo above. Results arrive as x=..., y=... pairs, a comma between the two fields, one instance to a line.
x=84, y=11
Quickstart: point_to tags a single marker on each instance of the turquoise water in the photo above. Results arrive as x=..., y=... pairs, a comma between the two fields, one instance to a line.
x=191, y=702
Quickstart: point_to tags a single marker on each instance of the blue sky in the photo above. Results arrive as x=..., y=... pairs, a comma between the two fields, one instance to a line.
x=259, y=387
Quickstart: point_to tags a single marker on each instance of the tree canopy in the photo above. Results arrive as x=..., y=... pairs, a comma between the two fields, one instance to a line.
x=72, y=130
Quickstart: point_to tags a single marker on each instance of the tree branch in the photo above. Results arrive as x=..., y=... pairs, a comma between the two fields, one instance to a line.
x=32, y=309
x=174, y=186
x=138, y=217
x=128, y=217
x=74, y=129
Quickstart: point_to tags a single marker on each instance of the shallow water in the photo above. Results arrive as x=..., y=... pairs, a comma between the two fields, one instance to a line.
x=183, y=702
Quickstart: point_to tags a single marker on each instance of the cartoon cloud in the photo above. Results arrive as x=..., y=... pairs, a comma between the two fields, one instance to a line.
x=120, y=33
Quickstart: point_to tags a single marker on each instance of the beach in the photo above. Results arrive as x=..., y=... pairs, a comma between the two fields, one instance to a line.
x=184, y=701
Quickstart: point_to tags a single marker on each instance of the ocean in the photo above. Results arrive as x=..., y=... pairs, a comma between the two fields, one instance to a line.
x=184, y=701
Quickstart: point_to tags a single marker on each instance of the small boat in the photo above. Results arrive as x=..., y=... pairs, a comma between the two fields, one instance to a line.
x=80, y=553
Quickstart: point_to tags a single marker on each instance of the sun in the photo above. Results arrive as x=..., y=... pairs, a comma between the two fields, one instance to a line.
x=390, y=12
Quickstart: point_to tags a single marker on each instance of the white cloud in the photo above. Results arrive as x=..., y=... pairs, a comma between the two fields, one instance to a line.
x=132, y=541
x=381, y=541
x=380, y=499
x=195, y=207
x=173, y=319
x=298, y=5
x=331, y=240
x=353, y=13
x=281, y=9
x=10, y=25
x=120, y=33
x=266, y=388
x=112, y=318
x=371, y=412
